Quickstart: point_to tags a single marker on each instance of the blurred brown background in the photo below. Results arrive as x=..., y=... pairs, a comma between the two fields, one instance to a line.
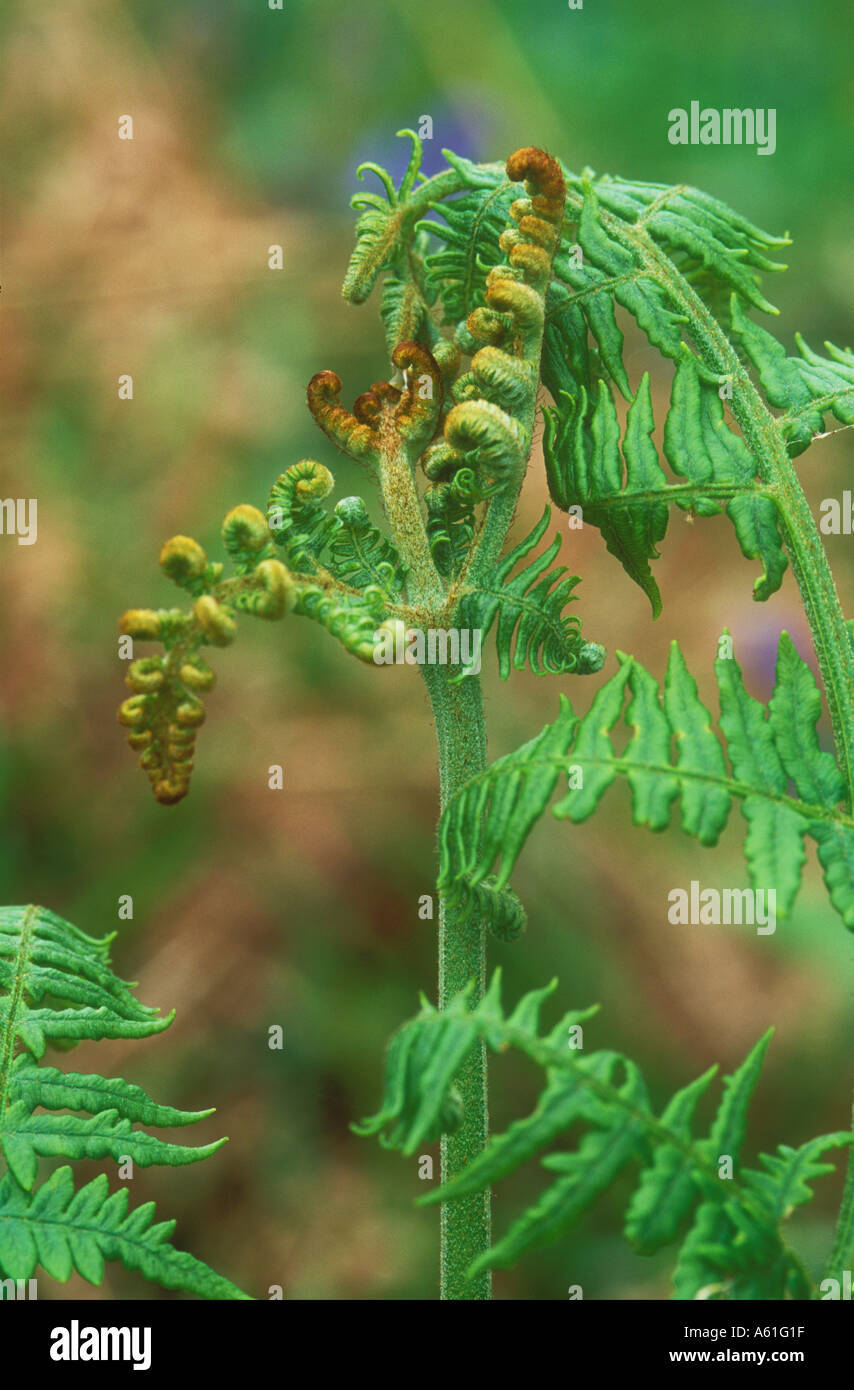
x=299, y=907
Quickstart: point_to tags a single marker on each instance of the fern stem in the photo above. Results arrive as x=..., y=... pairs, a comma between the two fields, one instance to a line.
x=797, y=523
x=465, y=1226
x=400, y=500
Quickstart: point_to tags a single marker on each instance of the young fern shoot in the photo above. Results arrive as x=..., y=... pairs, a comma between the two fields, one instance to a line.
x=516, y=287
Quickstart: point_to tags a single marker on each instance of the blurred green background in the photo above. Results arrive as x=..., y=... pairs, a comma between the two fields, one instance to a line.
x=299, y=908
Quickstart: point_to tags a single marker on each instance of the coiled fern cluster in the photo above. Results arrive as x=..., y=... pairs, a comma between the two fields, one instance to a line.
x=465, y=433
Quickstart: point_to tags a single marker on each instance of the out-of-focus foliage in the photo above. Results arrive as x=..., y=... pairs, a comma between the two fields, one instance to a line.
x=254, y=908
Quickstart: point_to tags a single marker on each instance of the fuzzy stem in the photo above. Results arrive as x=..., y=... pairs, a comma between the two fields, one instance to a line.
x=797, y=523
x=402, y=508
x=803, y=542
x=465, y=1223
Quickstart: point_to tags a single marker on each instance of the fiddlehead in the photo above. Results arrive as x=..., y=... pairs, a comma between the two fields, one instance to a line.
x=166, y=709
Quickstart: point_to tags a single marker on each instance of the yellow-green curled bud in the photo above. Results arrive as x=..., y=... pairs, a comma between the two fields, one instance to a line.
x=132, y=712
x=278, y=589
x=178, y=734
x=142, y=623
x=168, y=793
x=183, y=559
x=197, y=675
x=219, y=627
x=145, y=675
x=190, y=713
x=245, y=528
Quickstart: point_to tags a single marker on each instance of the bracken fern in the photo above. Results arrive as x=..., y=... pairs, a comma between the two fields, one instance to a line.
x=498, y=280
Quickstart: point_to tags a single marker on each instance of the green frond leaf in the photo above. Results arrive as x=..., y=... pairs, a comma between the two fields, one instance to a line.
x=43, y=957
x=730, y=1122
x=25, y=1137
x=673, y=753
x=532, y=630
x=794, y=711
x=66, y=1090
x=585, y=468
x=620, y=273
x=360, y=555
x=44, y=963
x=492, y=815
x=734, y=1240
x=471, y=226
x=667, y=1191
x=683, y=221
x=64, y=1230
x=784, y=1184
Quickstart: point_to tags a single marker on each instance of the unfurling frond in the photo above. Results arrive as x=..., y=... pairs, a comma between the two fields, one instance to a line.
x=488, y=430
x=165, y=710
x=341, y=572
x=57, y=987
x=672, y=755
x=381, y=227
x=733, y=1244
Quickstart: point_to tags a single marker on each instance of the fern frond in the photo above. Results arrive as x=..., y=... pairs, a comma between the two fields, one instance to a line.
x=683, y=219
x=403, y=310
x=66, y=1230
x=605, y=1094
x=626, y=495
x=807, y=387
x=341, y=572
x=450, y=522
x=532, y=630
x=46, y=964
x=486, y=824
x=471, y=230
x=380, y=227
x=42, y=957
x=488, y=430
x=359, y=554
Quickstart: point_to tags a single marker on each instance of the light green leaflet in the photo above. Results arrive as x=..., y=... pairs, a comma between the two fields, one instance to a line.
x=56, y=986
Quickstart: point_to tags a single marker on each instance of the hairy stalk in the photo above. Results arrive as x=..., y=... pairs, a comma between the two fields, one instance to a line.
x=402, y=508
x=803, y=542
x=465, y=1224
x=800, y=532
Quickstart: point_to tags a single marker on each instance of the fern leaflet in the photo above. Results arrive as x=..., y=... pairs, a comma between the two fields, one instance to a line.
x=734, y=1246
x=46, y=964
x=673, y=754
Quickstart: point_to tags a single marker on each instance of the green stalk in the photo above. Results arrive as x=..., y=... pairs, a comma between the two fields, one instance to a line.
x=465, y=1223
x=800, y=532
x=776, y=469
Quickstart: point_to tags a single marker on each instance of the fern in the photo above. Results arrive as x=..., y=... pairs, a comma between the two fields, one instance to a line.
x=807, y=387
x=497, y=280
x=529, y=608
x=766, y=750
x=58, y=988
x=734, y=1246
x=471, y=229
x=584, y=466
